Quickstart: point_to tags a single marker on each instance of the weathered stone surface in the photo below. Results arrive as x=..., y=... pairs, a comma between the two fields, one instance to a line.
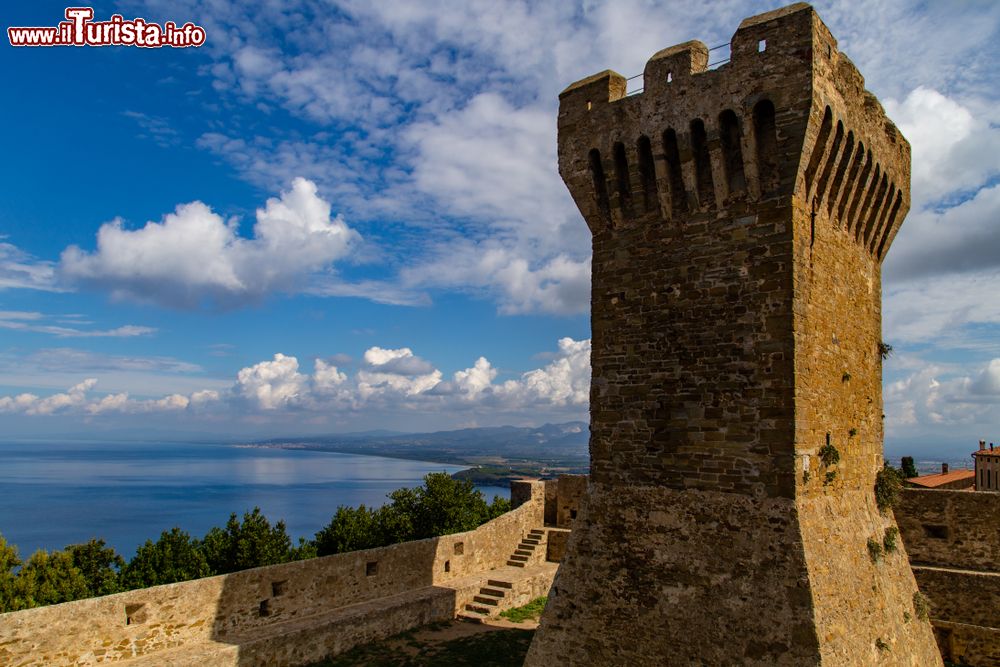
x=739, y=219
x=956, y=529
x=953, y=538
x=571, y=488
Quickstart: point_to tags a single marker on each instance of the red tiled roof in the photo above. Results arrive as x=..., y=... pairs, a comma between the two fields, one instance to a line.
x=986, y=452
x=932, y=481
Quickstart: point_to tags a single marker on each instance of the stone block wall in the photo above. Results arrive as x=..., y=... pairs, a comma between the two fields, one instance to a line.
x=953, y=538
x=955, y=529
x=259, y=603
x=571, y=490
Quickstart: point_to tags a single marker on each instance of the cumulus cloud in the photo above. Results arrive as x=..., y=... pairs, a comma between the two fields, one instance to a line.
x=952, y=150
x=270, y=385
x=390, y=381
x=194, y=256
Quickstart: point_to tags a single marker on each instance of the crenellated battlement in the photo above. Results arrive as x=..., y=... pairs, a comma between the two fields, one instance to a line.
x=739, y=218
x=787, y=115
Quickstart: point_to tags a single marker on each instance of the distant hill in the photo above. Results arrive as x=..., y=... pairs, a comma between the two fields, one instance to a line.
x=505, y=451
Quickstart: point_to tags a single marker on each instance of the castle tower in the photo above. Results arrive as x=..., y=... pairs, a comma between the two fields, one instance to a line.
x=739, y=218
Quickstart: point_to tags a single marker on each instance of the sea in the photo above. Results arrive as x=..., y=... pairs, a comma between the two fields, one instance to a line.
x=53, y=494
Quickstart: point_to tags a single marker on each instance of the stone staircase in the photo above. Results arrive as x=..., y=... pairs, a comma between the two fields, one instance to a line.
x=487, y=602
x=526, y=549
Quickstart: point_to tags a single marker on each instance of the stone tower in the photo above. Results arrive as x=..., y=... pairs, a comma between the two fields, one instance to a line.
x=739, y=218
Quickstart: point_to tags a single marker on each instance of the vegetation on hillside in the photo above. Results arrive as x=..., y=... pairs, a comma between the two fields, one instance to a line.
x=441, y=506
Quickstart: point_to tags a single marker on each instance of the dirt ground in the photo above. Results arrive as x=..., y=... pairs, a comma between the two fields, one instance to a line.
x=496, y=643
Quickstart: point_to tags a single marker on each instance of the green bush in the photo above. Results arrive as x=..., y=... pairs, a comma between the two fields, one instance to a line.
x=921, y=606
x=889, y=539
x=829, y=455
x=888, y=486
x=874, y=549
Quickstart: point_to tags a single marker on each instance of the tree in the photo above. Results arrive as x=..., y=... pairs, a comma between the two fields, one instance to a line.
x=350, y=529
x=909, y=470
x=442, y=506
x=99, y=565
x=243, y=545
x=174, y=557
x=50, y=578
x=10, y=598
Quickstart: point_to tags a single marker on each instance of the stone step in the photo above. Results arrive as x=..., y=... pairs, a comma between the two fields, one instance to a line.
x=529, y=540
x=522, y=552
x=495, y=592
x=536, y=532
x=499, y=584
x=479, y=609
x=472, y=617
x=485, y=599
x=519, y=557
x=529, y=547
x=514, y=563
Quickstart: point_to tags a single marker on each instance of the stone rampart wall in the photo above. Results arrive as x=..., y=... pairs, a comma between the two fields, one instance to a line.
x=954, y=529
x=261, y=602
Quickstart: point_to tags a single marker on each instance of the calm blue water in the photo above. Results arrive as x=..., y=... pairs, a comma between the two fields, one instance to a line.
x=52, y=495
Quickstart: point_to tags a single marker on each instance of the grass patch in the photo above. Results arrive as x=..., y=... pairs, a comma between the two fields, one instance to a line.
x=495, y=648
x=528, y=612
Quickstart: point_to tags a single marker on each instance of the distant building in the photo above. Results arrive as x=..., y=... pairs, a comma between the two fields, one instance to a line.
x=987, y=467
x=955, y=480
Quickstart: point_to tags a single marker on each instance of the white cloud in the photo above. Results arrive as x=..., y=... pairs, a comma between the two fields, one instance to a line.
x=952, y=150
x=271, y=385
x=961, y=239
x=193, y=256
x=75, y=397
x=932, y=309
x=326, y=377
x=988, y=381
x=473, y=381
x=19, y=270
x=939, y=397
x=395, y=373
x=392, y=381
x=34, y=322
x=564, y=381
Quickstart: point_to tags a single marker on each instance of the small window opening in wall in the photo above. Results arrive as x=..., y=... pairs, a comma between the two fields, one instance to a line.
x=762, y=46
x=278, y=588
x=135, y=613
x=670, y=77
x=935, y=532
x=459, y=548
x=264, y=609
x=371, y=568
x=572, y=514
x=447, y=566
x=589, y=105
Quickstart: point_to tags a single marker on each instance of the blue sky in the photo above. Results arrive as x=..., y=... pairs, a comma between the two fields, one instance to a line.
x=341, y=216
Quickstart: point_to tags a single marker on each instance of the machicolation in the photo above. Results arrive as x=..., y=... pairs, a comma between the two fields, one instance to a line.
x=739, y=219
